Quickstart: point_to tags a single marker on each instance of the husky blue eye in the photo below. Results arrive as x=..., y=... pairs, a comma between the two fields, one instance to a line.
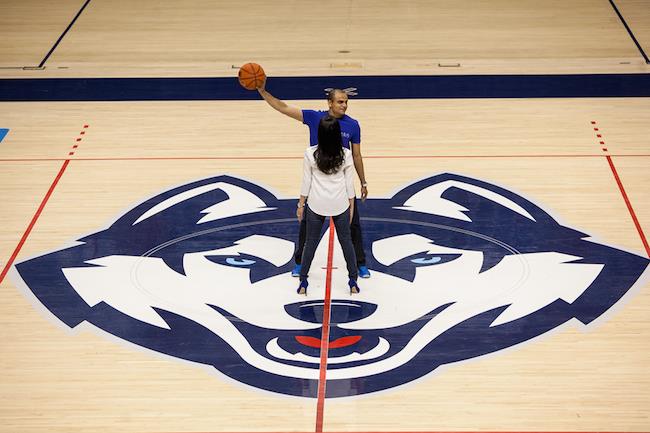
x=407, y=266
x=257, y=268
x=426, y=260
x=239, y=262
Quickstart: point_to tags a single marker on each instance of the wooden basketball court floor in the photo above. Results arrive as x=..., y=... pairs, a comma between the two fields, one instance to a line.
x=72, y=168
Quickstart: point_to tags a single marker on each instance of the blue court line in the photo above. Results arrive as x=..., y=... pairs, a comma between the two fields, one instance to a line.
x=3, y=132
x=369, y=87
x=65, y=32
x=629, y=32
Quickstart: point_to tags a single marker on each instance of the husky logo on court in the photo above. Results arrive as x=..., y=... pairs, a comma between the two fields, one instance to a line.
x=460, y=268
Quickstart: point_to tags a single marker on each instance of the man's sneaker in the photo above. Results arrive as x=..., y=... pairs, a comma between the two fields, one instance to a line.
x=296, y=271
x=364, y=272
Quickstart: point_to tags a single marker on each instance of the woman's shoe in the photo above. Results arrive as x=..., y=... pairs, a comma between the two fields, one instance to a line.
x=302, y=287
x=354, y=287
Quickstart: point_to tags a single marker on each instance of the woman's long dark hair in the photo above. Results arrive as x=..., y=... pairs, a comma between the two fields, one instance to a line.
x=329, y=153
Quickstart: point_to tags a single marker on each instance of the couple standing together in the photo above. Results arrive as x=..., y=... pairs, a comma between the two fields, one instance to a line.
x=327, y=189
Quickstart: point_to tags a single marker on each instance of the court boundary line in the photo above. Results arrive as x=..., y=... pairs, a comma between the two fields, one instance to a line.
x=40, y=208
x=629, y=31
x=33, y=221
x=628, y=203
x=58, y=41
x=427, y=431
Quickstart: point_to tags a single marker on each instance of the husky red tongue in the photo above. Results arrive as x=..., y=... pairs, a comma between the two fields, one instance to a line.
x=339, y=342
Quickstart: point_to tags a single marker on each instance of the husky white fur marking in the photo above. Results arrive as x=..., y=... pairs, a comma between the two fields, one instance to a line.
x=430, y=200
x=461, y=268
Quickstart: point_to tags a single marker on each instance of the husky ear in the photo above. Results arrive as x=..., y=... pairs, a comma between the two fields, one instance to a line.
x=158, y=225
x=210, y=200
x=499, y=221
x=447, y=195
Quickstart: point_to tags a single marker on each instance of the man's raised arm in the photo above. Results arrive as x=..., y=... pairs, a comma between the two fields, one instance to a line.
x=281, y=106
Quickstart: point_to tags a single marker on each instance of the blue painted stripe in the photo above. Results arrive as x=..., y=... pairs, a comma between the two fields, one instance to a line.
x=3, y=132
x=370, y=87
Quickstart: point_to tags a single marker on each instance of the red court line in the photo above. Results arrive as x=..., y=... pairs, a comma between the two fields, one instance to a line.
x=265, y=158
x=325, y=337
x=629, y=205
x=432, y=431
x=33, y=221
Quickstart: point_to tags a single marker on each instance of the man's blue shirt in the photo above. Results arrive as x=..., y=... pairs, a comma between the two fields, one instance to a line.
x=350, y=130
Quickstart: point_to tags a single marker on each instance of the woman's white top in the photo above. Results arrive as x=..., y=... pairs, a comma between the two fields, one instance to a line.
x=328, y=194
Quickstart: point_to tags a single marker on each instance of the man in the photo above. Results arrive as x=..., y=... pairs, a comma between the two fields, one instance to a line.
x=337, y=101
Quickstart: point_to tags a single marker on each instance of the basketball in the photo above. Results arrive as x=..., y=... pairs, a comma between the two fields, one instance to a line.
x=251, y=76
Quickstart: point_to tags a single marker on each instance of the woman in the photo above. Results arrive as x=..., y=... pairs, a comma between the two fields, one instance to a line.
x=328, y=182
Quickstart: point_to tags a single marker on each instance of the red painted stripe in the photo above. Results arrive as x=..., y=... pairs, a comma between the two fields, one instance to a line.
x=33, y=221
x=428, y=431
x=339, y=342
x=434, y=431
x=629, y=205
x=308, y=341
x=322, y=379
x=345, y=341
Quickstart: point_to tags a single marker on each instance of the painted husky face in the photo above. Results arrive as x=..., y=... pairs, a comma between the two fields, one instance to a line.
x=460, y=268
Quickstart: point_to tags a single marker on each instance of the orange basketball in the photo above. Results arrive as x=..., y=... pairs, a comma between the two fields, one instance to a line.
x=251, y=76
